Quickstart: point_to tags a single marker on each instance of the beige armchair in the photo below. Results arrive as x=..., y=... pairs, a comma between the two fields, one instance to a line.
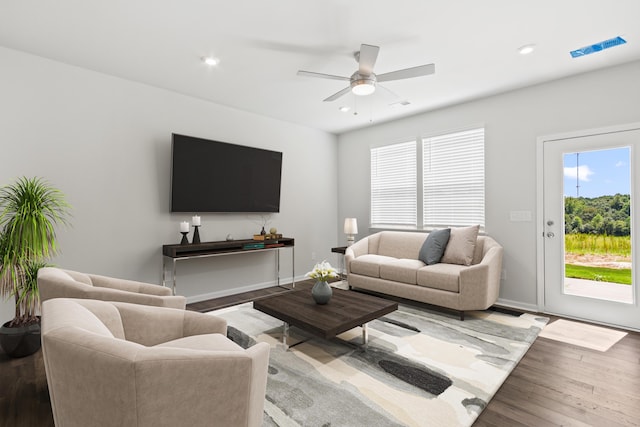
x=58, y=283
x=120, y=364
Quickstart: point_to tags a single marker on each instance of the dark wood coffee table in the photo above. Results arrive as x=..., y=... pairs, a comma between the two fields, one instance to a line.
x=346, y=310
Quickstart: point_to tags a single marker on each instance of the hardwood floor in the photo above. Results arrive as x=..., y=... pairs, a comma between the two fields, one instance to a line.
x=555, y=384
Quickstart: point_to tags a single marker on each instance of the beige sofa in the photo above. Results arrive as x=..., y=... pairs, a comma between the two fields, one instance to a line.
x=387, y=263
x=120, y=364
x=58, y=283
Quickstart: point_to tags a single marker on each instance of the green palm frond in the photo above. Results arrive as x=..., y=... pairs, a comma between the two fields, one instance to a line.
x=29, y=211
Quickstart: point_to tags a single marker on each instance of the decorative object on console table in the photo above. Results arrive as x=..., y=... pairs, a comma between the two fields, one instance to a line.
x=196, y=224
x=321, y=291
x=350, y=229
x=184, y=230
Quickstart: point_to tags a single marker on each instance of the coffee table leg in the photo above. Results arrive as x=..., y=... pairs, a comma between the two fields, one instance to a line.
x=285, y=335
x=365, y=335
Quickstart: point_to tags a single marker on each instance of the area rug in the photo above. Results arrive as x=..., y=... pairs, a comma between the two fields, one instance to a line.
x=420, y=368
x=583, y=335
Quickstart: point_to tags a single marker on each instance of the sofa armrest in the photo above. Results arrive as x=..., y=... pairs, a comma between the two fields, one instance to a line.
x=150, y=326
x=481, y=282
x=361, y=247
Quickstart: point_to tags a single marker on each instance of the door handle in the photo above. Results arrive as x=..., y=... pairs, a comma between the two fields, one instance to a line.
x=550, y=234
x=550, y=223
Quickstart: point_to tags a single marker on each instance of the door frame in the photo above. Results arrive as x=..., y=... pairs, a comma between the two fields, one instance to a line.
x=541, y=140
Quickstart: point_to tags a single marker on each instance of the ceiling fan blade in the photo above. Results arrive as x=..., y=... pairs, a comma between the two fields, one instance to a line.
x=396, y=98
x=338, y=94
x=407, y=73
x=321, y=75
x=367, y=58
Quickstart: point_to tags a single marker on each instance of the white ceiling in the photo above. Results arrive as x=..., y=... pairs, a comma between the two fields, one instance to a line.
x=263, y=43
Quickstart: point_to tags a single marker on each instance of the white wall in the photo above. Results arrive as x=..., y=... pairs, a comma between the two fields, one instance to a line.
x=106, y=143
x=512, y=122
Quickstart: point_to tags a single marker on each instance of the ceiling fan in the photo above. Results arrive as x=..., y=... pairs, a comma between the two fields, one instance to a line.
x=364, y=80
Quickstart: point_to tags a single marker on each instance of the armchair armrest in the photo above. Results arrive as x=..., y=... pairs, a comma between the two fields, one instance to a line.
x=237, y=379
x=109, y=294
x=129, y=285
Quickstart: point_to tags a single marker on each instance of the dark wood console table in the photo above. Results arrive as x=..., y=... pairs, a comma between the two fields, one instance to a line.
x=171, y=254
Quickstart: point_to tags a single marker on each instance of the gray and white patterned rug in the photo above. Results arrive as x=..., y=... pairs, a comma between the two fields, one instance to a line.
x=421, y=367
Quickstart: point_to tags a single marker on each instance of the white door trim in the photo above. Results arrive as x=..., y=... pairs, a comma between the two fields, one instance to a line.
x=540, y=193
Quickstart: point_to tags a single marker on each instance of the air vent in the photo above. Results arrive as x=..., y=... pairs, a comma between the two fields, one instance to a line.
x=597, y=47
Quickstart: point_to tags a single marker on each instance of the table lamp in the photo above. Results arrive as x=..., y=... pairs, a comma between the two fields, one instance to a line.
x=350, y=229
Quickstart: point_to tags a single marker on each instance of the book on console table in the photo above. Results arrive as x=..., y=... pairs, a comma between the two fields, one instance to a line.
x=255, y=245
x=273, y=245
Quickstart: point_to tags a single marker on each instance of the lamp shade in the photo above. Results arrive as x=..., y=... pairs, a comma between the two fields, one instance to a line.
x=350, y=226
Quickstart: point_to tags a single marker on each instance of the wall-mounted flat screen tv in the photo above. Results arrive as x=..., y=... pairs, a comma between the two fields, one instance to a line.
x=214, y=176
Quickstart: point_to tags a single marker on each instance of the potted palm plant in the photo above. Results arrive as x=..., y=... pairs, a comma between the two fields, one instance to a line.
x=30, y=209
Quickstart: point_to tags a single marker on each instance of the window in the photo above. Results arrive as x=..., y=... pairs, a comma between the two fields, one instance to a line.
x=394, y=185
x=453, y=179
x=449, y=193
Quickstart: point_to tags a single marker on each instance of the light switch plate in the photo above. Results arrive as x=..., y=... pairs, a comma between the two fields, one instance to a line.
x=520, y=216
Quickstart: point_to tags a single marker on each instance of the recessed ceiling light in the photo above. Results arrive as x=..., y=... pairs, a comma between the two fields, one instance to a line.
x=344, y=108
x=526, y=49
x=210, y=60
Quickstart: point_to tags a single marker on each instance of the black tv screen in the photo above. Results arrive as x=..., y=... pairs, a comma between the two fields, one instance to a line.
x=213, y=176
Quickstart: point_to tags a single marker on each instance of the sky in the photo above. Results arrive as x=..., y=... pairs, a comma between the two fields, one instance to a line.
x=599, y=173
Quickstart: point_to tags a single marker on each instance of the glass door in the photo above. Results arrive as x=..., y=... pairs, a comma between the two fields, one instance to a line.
x=589, y=235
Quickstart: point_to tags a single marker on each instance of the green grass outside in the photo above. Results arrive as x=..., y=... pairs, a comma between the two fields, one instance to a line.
x=598, y=244
x=599, y=274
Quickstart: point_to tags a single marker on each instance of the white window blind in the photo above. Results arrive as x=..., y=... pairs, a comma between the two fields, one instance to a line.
x=394, y=185
x=453, y=179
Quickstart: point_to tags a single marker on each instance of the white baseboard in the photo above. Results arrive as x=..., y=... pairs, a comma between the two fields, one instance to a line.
x=239, y=290
x=517, y=305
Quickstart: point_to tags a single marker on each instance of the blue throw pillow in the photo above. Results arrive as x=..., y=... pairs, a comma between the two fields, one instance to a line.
x=433, y=248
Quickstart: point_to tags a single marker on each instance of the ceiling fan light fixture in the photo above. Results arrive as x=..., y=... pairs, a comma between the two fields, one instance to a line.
x=363, y=87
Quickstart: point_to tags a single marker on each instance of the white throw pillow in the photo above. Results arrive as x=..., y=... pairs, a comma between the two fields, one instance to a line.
x=462, y=243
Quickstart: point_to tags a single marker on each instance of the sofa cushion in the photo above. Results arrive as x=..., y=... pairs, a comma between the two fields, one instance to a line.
x=461, y=245
x=401, y=270
x=369, y=264
x=441, y=276
x=400, y=244
x=433, y=248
